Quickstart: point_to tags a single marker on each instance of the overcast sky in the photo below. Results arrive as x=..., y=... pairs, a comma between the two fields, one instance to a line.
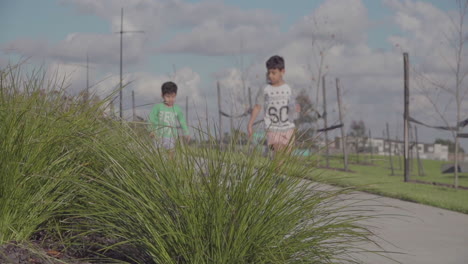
x=197, y=43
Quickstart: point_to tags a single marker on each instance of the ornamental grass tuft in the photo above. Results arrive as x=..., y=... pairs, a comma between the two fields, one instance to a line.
x=69, y=168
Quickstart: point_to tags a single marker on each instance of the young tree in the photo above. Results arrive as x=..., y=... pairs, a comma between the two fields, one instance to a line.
x=359, y=132
x=454, y=90
x=307, y=117
x=321, y=43
x=357, y=129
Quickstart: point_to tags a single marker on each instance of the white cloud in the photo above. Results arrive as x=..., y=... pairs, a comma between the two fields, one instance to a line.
x=223, y=30
x=235, y=90
x=70, y=77
x=148, y=85
x=102, y=49
x=213, y=38
x=331, y=20
x=170, y=26
x=144, y=14
x=407, y=22
x=425, y=27
x=206, y=27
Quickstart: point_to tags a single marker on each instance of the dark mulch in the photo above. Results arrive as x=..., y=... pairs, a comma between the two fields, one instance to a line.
x=45, y=249
x=27, y=253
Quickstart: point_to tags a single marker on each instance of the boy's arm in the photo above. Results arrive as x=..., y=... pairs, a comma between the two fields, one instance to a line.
x=183, y=122
x=259, y=101
x=256, y=109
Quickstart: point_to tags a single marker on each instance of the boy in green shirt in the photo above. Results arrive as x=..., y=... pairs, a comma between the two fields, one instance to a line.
x=164, y=118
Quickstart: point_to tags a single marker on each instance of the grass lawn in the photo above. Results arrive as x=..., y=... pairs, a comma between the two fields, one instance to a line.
x=375, y=178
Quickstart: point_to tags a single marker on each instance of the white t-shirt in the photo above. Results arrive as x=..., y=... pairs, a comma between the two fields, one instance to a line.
x=279, y=107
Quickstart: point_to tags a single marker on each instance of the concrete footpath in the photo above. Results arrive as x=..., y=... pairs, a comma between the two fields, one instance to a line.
x=423, y=234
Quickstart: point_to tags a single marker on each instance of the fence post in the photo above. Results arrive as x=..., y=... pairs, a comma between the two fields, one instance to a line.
x=390, y=151
x=219, y=114
x=343, y=136
x=327, y=151
x=406, y=115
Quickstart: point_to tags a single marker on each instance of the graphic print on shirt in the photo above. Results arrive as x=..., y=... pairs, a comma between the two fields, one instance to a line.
x=165, y=121
x=168, y=118
x=278, y=104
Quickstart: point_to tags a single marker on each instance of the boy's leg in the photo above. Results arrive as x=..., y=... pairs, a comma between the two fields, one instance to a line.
x=291, y=138
x=169, y=144
x=281, y=143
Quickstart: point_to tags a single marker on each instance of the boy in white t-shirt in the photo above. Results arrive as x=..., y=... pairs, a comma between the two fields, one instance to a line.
x=279, y=104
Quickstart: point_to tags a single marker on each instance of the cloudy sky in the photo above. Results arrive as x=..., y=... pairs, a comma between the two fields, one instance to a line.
x=199, y=42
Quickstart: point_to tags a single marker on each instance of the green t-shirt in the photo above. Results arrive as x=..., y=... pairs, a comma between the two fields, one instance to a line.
x=164, y=121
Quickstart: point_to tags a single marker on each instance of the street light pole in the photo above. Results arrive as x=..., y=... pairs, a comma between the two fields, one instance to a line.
x=121, y=32
x=121, y=58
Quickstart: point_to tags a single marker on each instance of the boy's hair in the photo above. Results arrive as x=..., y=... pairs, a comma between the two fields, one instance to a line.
x=275, y=62
x=169, y=88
